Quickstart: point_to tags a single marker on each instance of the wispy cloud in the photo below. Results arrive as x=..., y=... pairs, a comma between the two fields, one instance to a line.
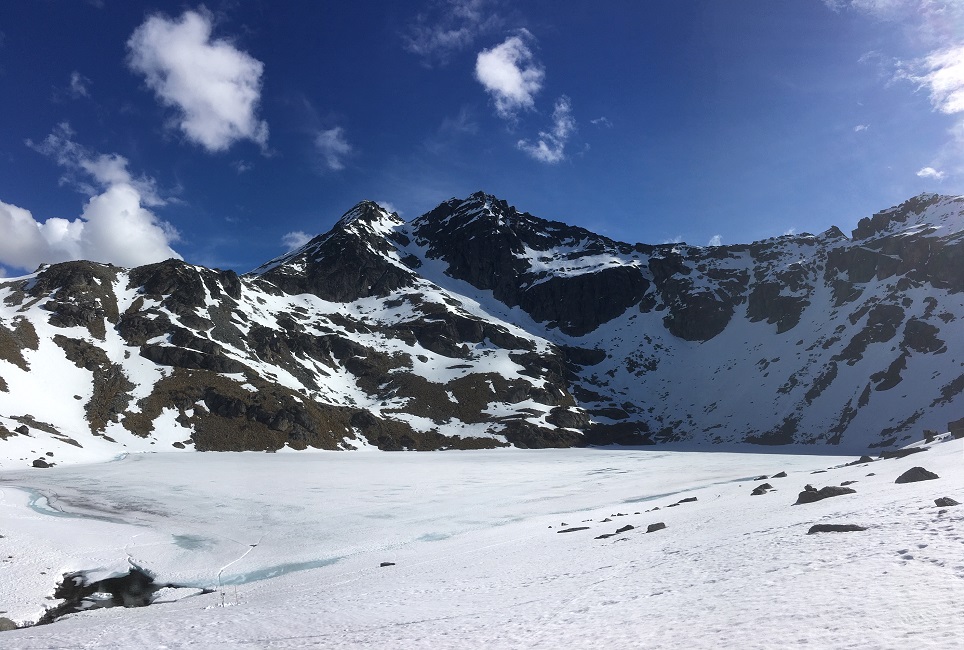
x=78, y=85
x=550, y=148
x=451, y=130
x=510, y=74
x=115, y=225
x=213, y=86
x=942, y=74
x=295, y=240
x=930, y=172
x=387, y=206
x=861, y=127
x=449, y=27
x=333, y=147
x=601, y=122
x=929, y=24
x=715, y=240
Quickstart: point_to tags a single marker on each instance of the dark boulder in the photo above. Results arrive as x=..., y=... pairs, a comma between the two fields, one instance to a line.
x=763, y=488
x=945, y=502
x=654, y=527
x=834, y=528
x=915, y=474
x=811, y=495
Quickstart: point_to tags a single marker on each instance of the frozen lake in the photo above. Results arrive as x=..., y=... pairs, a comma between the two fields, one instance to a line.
x=292, y=545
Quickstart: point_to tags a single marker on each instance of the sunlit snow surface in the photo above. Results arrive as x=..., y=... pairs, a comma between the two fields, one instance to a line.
x=296, y=541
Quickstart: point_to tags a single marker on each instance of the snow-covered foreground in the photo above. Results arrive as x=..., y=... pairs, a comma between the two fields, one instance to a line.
x=296, y=542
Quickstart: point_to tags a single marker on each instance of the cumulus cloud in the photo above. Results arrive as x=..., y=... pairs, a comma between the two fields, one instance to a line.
x=214, y=87
x=510, y=74
x=551, y=146
x=930, y=172
x=448, y=27
x=715, y=240
x=295, y=239
x=115, y=225
x=333, y=147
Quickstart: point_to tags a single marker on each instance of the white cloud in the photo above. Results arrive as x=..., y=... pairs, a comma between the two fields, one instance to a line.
x=861, y=127
x=510, y=74
x=387, y=207
x=115, y=226
x=295, y=239
x=451, y=26
x=602, y=121
x=715, y=240
x=551, y=146
x=214, y=87
x=942, y=73
x=930, y=172
x=333, y=147
x=78, y=85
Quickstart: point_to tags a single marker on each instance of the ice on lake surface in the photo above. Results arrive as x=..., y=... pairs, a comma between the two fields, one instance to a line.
x=293, y=546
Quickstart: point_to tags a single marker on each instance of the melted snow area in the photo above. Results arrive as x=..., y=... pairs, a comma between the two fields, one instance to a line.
x=292, y=545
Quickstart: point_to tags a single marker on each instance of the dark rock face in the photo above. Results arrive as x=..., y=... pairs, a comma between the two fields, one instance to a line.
x=835, y=528
x=810, y=495
x=348, y=263
x=915, y=474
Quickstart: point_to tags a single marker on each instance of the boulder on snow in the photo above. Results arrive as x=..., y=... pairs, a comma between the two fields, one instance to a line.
x=780, y=475
x=6, y=624
x=654, y=527
x=763, y=488
x=860, y=461
x=624, y=528
x=834, y=528
x=41, y=463
x=915, y=474
x=385, y=564
x=944, y=502
x=572, y=530
x=810, y=495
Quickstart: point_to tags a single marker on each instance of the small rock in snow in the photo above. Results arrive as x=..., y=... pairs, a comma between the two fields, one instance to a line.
x=945, y=502
x=654, y=527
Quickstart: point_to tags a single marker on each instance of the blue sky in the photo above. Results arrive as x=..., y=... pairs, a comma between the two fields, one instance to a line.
x=225, y=132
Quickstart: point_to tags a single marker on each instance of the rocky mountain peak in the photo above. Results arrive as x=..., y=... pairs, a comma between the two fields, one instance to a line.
x=479, y=325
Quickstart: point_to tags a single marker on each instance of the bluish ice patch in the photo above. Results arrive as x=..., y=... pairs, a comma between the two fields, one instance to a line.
x=191, y=542
x=277, y=570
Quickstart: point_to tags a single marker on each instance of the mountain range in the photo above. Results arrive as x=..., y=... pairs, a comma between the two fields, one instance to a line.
x=477, y=325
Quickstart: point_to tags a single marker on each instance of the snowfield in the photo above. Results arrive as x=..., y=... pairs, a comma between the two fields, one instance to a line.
x=292, y=546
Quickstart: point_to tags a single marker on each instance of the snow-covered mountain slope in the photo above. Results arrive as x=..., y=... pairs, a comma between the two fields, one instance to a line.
x=292, y=546
x=477, y=325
